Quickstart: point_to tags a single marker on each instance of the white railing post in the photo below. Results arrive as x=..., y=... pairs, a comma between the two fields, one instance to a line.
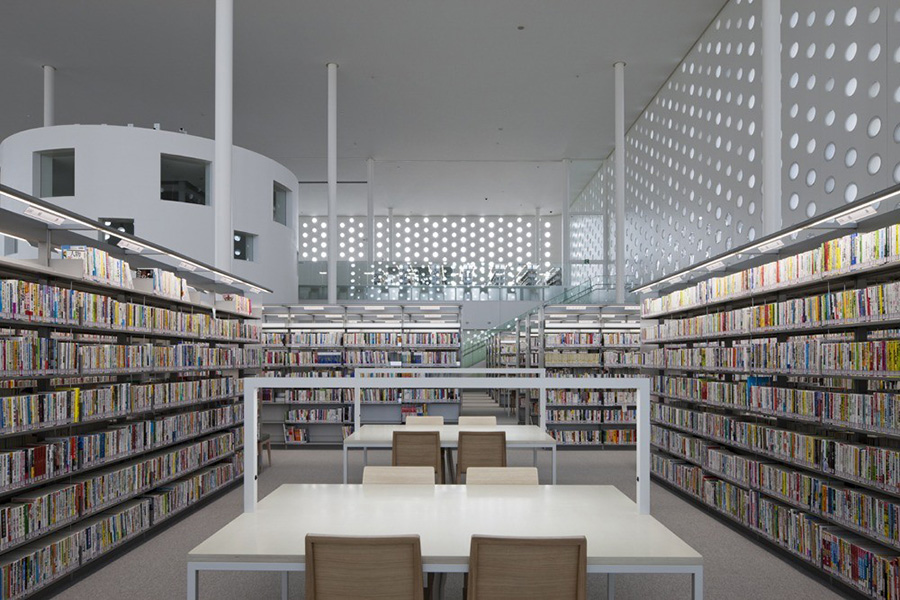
x=251, y=446
x=642, y=398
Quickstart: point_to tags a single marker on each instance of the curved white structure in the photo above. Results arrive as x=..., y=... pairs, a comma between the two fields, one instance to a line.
x=117, y=175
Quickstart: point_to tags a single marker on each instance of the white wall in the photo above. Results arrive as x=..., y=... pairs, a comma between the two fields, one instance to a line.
x=117, y=174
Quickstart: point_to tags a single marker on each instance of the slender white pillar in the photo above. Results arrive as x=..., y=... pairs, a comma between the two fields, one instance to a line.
x=49, y=96
x=620, y=183
x=566, y=227
x=370, y=207
x=390, y=234
x=538, y=253
x=332, y=184
x=771, y=116
x=224, y=246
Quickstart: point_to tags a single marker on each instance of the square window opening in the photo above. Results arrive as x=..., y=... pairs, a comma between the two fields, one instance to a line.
x=55, y=171
x=244, y=245
x=183, y=179
x=280, y=196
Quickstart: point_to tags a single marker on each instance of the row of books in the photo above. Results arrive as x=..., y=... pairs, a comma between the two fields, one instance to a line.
x=599, y=437
x=235, y=303
x=305, y=396
x=98, y=265
x=41, y=303
x=64, y=455
x=770, y=356
x=315, y=415
x=623, y=358
x=165, y=283
x=290, y=358
x=326, y=338
x=622, y=338
x=878, y=412
x=870, y=568
x=26, y=570
x=880, y=302
x=33, y=356
x=855, y=251
x=871, y=466
x=571, y=338
x=572, y=358
x=605, y=415
x=591, y=397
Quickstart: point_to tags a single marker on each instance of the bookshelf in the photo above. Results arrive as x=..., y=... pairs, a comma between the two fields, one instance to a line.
x=118, y=406
x=328, y=340
x=775, y=397
x=589, y=341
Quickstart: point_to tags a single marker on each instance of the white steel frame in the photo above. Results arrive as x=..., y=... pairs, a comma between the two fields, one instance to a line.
x=641, y=386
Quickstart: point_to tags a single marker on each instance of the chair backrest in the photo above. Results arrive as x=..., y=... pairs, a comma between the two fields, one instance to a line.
x=503, y=568
x=480, y=449
x=417, y=449
x=499, y=476
x=399, y=475
x=491, y=420
x=422, y=420
x=363, y=568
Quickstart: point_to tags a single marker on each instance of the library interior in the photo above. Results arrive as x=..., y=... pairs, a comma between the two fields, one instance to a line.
x=549, y=300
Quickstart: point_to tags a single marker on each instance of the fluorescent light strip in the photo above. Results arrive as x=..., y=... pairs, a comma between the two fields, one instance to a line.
x=855, y=211
x=49, y=215
x=15, y=237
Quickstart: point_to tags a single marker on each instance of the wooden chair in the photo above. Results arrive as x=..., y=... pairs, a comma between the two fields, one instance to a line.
x=264, y=441
x=500, y=476
x=398, y=475
x=420, y=420
x=508, y=568
x=480, y=449
x=417, y=449
x=490, y=421
x=364, y=568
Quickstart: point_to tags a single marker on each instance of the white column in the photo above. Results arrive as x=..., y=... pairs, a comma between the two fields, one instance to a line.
x=390, y=234
x=332, y=184
x=566, y=228
x=49, y=96
x=370, y=207
x=771, y=116
x=224, y=246
x=620, y=183
x=538, y=252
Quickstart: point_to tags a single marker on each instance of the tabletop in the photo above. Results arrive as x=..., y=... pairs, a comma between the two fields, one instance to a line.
x=515, y=434
x=445, y=517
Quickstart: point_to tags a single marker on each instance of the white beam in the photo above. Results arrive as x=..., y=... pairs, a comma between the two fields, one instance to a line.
x=620, y=182
x=370, y=207
x=566, y=226
x=224, y=101
x=332, y=184
x=771, y=116
x=49, y=96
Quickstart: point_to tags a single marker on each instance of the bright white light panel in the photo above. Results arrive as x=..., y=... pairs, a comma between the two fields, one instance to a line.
x=840, y=102
x=440, y=239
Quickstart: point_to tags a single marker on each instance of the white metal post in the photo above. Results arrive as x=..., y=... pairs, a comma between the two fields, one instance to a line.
x=620, y=182
x=332, y=184
x=370, y=208
x=542, y=407
x=357, y=403
x=49, y=96
x=771, y=116
x=566, y=228
x=251, y=435
x=224, y=106
x=642, y=399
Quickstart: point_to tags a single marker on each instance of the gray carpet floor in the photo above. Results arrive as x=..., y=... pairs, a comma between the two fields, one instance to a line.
x=736, y=566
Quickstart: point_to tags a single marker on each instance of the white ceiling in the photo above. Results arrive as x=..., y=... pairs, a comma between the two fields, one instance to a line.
x=452, y=99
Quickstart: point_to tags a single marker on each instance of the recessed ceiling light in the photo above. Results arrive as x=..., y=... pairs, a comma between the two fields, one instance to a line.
x=520, y=27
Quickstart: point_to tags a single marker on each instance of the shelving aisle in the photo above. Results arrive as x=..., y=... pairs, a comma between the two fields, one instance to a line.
x=776, y=400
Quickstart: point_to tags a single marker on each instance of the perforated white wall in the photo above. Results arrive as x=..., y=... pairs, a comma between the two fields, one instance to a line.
x=840, y=96
x=693, y=164
x=440, y=239
x=589, y=219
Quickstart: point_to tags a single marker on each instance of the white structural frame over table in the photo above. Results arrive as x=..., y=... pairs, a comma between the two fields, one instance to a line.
x=619, y=539
x=641, y=386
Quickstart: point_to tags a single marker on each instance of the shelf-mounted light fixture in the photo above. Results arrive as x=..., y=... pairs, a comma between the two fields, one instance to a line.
x=845, y=215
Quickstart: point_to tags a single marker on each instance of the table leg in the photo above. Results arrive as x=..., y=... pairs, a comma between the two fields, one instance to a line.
x=534, y=457
x=697, y=584
x=553, y=464
x=365, y=456
x=193, y=582
x=285, y=593
x=345, y=464
x=437, y=590
x=451, y=470
x=611, y=586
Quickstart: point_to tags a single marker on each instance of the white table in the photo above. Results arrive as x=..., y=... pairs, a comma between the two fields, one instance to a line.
x=445, y=517
x=517, y=436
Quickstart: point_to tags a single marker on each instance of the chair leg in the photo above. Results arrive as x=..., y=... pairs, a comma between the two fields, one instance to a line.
x=465, y=585
x=269, y=452
x=429, y=586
